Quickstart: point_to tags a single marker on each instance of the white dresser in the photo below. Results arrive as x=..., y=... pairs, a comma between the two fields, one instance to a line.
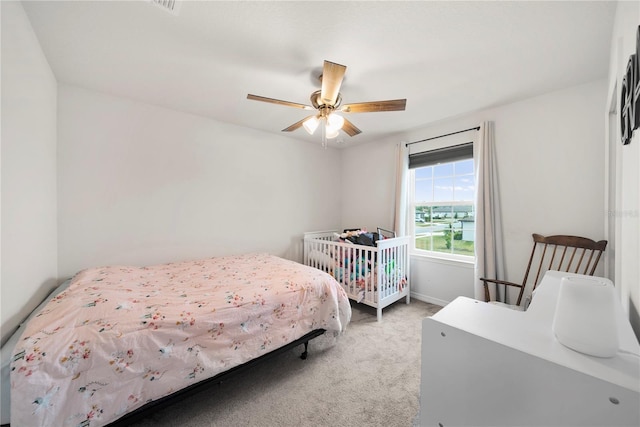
x=487, y=365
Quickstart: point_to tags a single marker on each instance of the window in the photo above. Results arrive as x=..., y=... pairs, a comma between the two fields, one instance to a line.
x=441, y=198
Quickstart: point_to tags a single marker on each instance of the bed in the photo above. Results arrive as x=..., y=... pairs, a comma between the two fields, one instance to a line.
x=119, y=338
x=375, y=273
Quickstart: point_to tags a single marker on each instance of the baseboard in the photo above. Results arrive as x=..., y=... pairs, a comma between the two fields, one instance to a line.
x=426, y=298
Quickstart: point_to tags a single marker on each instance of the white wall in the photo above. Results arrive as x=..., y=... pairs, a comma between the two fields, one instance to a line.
x=368, y=185
x=626, y=212
x=550, y=169
x=28, y=226
x=140, y=184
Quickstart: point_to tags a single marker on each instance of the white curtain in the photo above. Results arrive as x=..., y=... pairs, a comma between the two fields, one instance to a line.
x=402, y=168
x=488, y=236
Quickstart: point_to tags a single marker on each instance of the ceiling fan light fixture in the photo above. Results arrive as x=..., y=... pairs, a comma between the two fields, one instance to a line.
x=334, y=122
x=311, y=124
x=331, y=133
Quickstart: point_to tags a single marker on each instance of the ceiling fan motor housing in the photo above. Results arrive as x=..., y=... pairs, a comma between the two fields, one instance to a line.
x=316, y=101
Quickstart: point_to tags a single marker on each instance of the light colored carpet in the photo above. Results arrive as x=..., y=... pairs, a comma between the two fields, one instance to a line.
x=371, y=377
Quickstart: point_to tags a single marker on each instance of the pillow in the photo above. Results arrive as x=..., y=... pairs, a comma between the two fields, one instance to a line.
x=320, y=257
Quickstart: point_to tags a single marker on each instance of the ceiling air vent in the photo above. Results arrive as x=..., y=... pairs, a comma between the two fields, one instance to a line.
x=171, y=6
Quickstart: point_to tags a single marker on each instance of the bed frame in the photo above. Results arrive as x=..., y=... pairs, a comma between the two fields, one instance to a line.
x=377, y=290
x=151, y=407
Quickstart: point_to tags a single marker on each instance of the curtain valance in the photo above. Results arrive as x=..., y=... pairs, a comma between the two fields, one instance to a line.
x=446, y=154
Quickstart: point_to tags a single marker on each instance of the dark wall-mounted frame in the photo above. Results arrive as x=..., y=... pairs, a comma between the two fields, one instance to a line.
x=630, y=95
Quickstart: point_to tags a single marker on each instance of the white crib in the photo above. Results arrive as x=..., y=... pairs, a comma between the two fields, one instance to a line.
x=375, y=276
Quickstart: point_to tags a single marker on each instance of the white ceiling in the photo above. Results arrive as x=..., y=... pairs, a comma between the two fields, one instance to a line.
x=446, y=58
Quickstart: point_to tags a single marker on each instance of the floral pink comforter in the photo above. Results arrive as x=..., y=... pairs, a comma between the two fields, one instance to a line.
x=120, y=337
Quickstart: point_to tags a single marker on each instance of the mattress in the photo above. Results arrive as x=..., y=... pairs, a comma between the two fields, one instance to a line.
x=119, y=337
x=7, y=351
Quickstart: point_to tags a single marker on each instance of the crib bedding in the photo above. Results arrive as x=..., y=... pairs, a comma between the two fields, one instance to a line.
x=351, y=267
x=119, y=337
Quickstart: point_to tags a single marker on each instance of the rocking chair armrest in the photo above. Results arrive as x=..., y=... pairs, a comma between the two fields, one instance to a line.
x=500, y=282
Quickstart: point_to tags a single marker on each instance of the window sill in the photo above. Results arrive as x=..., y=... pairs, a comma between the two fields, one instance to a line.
x=443, y=259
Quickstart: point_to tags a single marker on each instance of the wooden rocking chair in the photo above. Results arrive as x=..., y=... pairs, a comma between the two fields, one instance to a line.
x=570, y=254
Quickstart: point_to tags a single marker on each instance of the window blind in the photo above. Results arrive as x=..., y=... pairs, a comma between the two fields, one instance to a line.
x=441, y=155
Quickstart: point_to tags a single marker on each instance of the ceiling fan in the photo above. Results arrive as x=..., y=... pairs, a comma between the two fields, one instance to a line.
x=327, y=101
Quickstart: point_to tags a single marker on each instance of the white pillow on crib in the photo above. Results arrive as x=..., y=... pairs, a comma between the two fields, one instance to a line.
x=320, y=257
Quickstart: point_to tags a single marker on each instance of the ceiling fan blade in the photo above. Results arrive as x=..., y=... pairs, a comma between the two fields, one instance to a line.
x=350, y=129
x=375, y=106
x=279, y=102
x=296, y=125
x=332, y=75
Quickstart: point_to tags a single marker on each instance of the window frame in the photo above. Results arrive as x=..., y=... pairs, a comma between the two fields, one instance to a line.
x=411, y=212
